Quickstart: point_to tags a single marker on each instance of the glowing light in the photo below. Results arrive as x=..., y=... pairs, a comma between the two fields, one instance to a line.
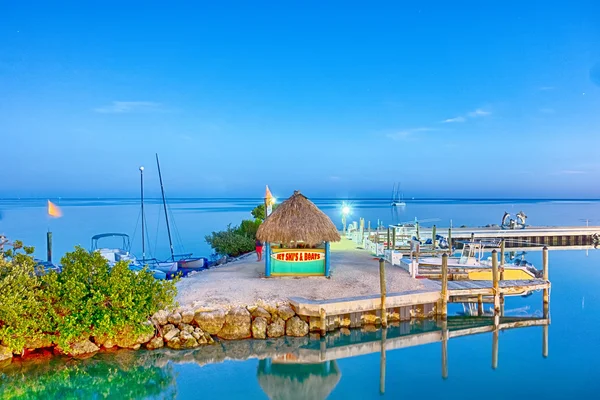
x=345, y=210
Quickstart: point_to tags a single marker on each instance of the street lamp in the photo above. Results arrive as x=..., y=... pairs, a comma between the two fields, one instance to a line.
x=345, y=213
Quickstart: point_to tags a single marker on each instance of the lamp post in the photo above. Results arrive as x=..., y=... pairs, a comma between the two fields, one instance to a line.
x=345, y=212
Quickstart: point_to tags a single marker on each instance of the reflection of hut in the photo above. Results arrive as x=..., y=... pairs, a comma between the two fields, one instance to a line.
x=298, y=381
x=297, y=236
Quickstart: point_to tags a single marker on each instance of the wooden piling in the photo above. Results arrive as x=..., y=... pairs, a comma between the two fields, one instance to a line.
x=418, y=233
x=382, y=362
x=383, y=292
x=495, y=335
x=444, y=286
x=433, y=235
x=323, y=322
x=472, y=237
x=49, y=246
x=388, y=238
x=545, y=341
x=450, y=240
x=502, y=257
x=495, y=282
x=393, y=238
x=546, y=293
x=480, y=305
x=444, y=350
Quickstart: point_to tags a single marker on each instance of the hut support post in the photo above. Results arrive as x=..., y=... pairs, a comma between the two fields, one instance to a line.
x=444, y=286
x=383, y=292
x=267, y=259
x=495, y=282
x=327, y=260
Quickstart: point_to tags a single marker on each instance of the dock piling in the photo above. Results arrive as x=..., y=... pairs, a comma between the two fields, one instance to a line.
x=382, y=362
x=502, y=257
x=480, y=305
x=495, y=282
x=383, y=292
x=323, y=322
x=545, y=273
x=444, y=349
x=495, y=335
x=545, y=341
x=433, y=235
x=49, y=246
x=444, y=286
x=393, y=238
x=388, y=238
x=450, y=240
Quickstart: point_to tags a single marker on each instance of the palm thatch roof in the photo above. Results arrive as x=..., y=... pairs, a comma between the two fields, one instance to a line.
x=298, y=220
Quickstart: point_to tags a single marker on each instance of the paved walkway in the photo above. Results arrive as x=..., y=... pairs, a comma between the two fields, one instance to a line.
x=354, y=272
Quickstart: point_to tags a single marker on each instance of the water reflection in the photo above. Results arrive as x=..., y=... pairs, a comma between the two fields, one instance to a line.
x=287, y=368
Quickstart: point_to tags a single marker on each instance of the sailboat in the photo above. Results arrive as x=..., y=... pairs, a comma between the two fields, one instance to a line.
x=185, y=262
x=396, y=201
x=168, y=267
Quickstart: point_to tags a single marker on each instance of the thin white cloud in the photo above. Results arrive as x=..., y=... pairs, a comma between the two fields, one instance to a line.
x=473, y=114
x=401, y=135
x=456, y=119
x=123, y=107
x=478, y=113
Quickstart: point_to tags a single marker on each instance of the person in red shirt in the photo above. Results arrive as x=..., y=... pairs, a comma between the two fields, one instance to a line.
x=259, y=247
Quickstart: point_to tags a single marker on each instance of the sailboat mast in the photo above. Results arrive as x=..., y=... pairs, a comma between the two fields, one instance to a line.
x=162, y=190
x=142, y=201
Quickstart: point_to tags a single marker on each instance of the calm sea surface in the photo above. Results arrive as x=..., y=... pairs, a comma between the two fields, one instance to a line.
x=570, y=370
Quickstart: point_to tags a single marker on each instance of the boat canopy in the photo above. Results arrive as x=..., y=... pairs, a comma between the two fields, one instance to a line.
x=123, y=236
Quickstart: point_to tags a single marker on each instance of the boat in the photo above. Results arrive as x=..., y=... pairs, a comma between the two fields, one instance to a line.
x=185, y=262
x=168, y=267
x=471, y=264
x=115, y=254
x=43, y=267
x=396, y=201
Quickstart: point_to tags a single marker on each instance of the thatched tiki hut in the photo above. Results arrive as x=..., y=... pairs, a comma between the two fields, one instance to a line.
x=297, y=236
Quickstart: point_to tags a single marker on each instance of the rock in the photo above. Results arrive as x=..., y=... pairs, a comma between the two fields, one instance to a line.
x=237, y=325
x=80, y=348
x=371, y=319
x=155, y=343
x=167, y=328
x=197, y=333
x=276, y=328
x=259, y=328
x=174, y=318
x=261, y=312
x=187, y=340
x=345, y=331
x=185, y=328
x=296, y=327
x=174, y=343
x=221, y=260
x=171, y=334
x=208, y=338
x=5, y=354
x=187, y=316
x=369, y=328
x=128, y=340
x=39, y=342
x=109, y=344
x=285, y=312
x=345, y=322
x=160, y=317
x=210, y=321
x=252, y=309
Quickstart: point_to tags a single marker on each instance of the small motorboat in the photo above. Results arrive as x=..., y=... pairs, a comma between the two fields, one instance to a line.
x=187, y=264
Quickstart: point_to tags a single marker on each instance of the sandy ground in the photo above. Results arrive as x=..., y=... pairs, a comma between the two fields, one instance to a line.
x=354, y=272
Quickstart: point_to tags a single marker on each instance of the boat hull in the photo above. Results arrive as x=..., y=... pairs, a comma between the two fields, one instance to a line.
x=192, y=264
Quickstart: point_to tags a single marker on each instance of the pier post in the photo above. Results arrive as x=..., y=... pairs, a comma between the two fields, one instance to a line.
x=369, y=229
x=49, y=246
x=393, y=239
x=382, y=362
x=545, y=341
x=323, y=322
x=480, y=305
x=450, y=241
x=495, y=335
x=495, y=283
x=418, y=234
x=444, y=286
x=388, y=238
x=472, y=237
x=383, y=292
x=502, y=257
x=433, y=235
x=444, y=349
x=545, y=273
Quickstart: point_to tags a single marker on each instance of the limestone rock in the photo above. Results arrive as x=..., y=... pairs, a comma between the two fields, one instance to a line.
x=285, y=312
x=259, y=328
x=174, y=343
x=209, y=339
x=345, y=331
x=174, y=318
x=160, y=317
x=371, y=319
x=5, y=354
x=345, y=322
x=82, y=347
x=171, y=334
x=261, y=312
x=187, y=316
x=252, y=309
x=39, y=342
x=237, y=325
x=185, y=328
x=187, y=340
x=276, y=328
x=296, y=327
x=210, y=321
x=109, y=344
x=128, y=340
x=155, y=343
x=167, y=328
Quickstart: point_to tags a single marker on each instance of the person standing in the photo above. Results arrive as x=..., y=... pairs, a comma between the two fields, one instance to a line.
x=259, y=248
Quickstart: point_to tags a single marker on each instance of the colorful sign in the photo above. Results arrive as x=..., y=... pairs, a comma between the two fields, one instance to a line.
x=298, y=262
x=298, y=256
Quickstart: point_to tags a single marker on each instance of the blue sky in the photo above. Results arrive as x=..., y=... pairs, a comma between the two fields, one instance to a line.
x=467, y=99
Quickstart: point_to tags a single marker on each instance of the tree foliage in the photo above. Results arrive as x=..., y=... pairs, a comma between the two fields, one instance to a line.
x=231, y=242
x=259, y=211
x=88, y=298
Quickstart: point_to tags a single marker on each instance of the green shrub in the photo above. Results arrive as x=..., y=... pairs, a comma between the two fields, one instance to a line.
x=249, y=228
x=230, y=242
x=259, y=211
x=86, y=299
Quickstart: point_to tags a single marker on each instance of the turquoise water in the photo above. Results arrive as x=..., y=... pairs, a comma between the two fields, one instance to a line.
x=570, y=370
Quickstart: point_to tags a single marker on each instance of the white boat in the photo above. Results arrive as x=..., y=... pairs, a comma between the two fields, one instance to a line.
x=397, y=201
x=116, y=254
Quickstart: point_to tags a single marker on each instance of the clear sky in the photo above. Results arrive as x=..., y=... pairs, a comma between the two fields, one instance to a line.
x=459, y=98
